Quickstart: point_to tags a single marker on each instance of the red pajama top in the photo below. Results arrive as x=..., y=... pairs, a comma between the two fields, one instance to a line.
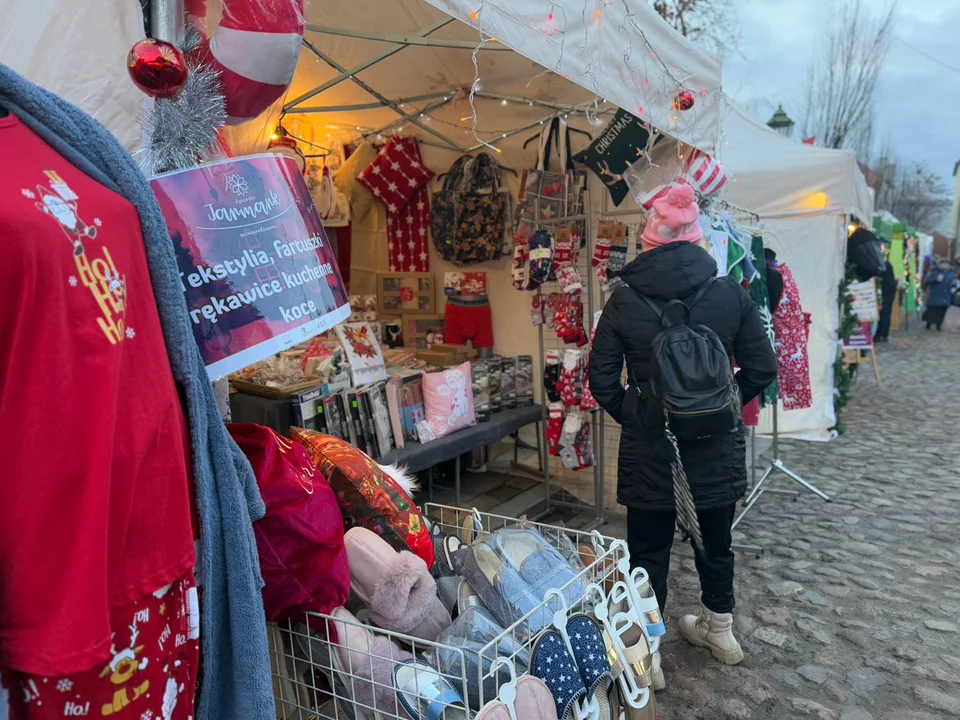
x=95, y=507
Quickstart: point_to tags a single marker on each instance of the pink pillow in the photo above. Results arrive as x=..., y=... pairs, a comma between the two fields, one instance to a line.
x=396, y=174
x=448, y=397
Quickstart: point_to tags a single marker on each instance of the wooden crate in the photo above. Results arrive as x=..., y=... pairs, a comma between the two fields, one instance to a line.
x=416, y=327
x=406, y=294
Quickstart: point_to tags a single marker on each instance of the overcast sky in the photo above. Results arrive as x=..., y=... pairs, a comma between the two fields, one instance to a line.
x=918, y=100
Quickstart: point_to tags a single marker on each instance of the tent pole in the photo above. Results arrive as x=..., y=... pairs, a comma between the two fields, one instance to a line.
x=541, y=103
x=166, y=20
x=419, y=39
x=389, y=103
x=364, y=106
x=428, y=108
x=345, y=74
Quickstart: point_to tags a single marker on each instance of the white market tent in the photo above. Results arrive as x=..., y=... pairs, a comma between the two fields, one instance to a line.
x=803, y=195
x=370, y=67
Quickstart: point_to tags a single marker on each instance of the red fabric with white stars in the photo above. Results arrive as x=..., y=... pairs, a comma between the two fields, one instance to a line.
x=399, y=179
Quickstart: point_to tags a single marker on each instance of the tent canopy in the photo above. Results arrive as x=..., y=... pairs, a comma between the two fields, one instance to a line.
x=370, y=63
x=369, y=67
x=776, y=176
x=802, y=194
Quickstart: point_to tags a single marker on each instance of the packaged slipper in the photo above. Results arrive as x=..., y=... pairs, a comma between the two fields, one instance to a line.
x=470, y=633
x=513, y=571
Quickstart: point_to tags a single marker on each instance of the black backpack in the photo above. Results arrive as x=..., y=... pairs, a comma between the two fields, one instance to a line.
x=690, y=375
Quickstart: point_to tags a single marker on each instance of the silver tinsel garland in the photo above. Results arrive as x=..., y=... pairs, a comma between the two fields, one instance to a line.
x=181, y=130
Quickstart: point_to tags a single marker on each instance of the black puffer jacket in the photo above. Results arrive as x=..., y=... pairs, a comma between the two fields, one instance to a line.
x=716, y=467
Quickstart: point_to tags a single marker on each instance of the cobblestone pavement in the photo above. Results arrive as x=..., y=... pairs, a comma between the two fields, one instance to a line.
x=853, y=612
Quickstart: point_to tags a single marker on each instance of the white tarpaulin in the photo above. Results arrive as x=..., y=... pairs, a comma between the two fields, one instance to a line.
x=778, y=176
x=621, y=51
x=390, y=52
x=78, y=50
x=802, y=194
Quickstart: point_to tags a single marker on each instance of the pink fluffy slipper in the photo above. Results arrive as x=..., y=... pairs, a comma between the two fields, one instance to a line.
x=361, y=656
x=397, y=587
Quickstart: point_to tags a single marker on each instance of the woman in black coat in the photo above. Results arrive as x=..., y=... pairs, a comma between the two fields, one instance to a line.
x=715, y=467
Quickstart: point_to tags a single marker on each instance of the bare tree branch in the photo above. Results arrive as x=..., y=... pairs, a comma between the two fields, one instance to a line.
x=843, y=78
x=711, y=24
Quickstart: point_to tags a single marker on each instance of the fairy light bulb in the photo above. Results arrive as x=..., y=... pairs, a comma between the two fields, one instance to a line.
x=503, y=102
x=474, y=15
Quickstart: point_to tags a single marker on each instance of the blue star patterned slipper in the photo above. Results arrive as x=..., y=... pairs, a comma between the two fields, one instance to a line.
x=553, y=663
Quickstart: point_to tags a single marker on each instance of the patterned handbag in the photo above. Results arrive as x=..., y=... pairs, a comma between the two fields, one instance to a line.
x=469, y=214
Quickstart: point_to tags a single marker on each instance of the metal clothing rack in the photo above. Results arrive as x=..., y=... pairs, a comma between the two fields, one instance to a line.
x=585, y=219
x=777, y=464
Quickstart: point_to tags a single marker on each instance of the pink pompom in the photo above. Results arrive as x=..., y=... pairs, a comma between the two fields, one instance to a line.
x=681, y=196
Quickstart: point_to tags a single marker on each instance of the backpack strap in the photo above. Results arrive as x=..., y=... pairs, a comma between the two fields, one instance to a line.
x=701, y=292
x=658, y=311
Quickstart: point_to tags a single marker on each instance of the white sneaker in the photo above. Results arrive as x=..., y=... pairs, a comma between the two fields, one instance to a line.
x=715, y=631
x=659, y=682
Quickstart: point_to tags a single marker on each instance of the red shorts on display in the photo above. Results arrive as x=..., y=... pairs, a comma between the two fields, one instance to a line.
x=152, y=674
x=468, y=321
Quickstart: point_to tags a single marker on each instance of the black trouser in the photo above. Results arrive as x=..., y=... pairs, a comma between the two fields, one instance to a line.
x=935, y=316
x=650, y=537
x=883, y=324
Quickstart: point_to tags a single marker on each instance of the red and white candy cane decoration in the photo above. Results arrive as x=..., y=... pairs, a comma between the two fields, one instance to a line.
x=255, y=49
x=705, y=174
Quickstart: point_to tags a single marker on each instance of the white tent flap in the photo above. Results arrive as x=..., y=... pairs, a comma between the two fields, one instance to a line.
x=774, y=175
x=621, y=51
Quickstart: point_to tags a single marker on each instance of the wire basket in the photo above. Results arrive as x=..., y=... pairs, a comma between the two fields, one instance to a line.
x=315, y=678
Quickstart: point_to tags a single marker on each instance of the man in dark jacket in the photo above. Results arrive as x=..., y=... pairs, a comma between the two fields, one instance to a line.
x=888, y=292
x=674, y=266
x=939, y=283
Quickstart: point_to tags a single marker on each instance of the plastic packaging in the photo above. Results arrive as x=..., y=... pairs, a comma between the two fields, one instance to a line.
x=512, y=570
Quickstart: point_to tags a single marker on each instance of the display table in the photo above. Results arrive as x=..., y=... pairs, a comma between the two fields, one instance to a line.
x=276, y=414
x=416, y=457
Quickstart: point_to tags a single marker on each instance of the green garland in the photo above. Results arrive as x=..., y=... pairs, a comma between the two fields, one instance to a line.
x=842, y=373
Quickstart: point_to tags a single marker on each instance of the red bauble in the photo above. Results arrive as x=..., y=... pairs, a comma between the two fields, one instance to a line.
x=157, y=67
x=684, y=100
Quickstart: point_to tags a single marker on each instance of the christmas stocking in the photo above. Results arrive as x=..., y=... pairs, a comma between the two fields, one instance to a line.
x=584, y=447
x=568, y=439
x=569, y=278
x=618, y=259
x=551, y=376
x=554, y=428
x=571, y=378
x=601, y=256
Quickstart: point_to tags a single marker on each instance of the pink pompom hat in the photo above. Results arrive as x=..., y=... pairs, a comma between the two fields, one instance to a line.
x=673, y=217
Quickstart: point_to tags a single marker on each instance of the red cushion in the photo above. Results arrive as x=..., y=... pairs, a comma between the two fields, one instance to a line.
x=368, y=497
x=396, y=174
x=300, y=540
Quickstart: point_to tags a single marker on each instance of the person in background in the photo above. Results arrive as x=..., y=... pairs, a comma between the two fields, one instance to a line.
x=673, y=266
x=888, y=291
x=939, y=282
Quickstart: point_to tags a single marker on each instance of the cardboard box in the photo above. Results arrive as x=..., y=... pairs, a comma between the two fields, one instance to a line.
x=441, y=359
x=467, y=352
